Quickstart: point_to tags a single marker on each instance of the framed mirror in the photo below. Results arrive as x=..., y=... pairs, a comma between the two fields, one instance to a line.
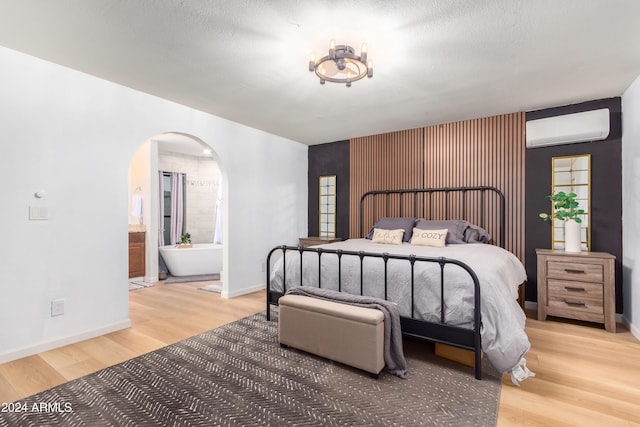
x=327, y=206
x=572, y=174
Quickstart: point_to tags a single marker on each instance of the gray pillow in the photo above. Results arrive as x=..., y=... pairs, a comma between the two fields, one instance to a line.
x=390, y=223
x=475, y=234
x=456, y=228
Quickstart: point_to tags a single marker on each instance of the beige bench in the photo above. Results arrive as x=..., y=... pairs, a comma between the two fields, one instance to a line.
x=344, y=333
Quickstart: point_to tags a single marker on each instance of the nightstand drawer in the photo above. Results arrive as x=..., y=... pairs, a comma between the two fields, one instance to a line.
x=575, y=271
x=576, y=305
x=571, y=299
x=575, y=294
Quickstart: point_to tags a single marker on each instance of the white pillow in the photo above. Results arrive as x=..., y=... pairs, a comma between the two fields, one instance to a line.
x=435, y=238
x=390, y=237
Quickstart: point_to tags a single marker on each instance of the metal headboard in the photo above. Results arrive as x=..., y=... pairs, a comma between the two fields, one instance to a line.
x=480, y=205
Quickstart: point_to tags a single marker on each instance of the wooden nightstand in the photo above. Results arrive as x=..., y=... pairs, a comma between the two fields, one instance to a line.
x=305, y=242
x=577, y=286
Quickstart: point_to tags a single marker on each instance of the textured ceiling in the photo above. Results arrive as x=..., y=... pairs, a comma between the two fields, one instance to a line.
x=436, y=61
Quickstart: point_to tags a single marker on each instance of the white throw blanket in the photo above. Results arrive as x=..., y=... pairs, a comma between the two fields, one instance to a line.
x=504, y=340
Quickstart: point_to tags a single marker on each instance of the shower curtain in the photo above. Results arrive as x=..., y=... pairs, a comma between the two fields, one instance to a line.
x=177, y=206
x=160, y=208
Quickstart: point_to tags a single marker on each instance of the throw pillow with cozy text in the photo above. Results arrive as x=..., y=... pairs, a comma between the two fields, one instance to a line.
x=435, y=238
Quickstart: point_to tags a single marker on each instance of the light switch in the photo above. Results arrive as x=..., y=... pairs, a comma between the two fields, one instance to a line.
x=38, y=213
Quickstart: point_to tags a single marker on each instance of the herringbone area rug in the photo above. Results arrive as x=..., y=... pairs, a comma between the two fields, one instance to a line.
x=237, y=375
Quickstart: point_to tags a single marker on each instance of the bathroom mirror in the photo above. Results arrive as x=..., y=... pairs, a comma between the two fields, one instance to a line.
x=327, y=206
x=572, y=174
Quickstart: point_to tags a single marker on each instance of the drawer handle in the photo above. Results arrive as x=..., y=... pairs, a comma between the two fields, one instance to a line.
x=574, y=289
x=575, y=304
x=573, y=271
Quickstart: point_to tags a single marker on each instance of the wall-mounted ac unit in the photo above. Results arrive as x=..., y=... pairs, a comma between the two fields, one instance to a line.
x=567, y=129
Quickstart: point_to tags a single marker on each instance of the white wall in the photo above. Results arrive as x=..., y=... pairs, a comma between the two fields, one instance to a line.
x=73, y=136
x=631, y=205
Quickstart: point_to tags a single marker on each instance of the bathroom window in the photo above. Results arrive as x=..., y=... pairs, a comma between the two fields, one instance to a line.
x=328, y=206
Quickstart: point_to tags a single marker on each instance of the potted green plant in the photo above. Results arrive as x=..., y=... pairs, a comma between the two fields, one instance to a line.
x=185, y=241
x=567, y=209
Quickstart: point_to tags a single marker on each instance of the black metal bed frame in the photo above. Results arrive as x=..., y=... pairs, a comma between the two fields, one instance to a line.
x=481, y=190
x=465, y=338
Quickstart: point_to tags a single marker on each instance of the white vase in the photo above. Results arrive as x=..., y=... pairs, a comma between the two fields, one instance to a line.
x=572, y=241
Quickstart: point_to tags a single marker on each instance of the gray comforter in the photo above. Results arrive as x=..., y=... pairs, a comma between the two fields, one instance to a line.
x=504, y=340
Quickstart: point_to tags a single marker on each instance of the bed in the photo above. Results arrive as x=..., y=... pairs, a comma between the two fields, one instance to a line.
x=464, y=294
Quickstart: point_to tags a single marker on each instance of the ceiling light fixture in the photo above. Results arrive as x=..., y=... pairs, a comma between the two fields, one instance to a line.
x=342, y=65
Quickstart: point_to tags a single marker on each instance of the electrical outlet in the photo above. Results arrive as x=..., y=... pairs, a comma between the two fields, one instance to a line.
x=57, y=307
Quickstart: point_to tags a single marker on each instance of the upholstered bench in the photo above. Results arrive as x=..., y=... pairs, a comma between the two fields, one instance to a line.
x=341, y=332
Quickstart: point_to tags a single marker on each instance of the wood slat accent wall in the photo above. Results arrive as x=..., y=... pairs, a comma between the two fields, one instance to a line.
x=488, y=151
x=386, y=161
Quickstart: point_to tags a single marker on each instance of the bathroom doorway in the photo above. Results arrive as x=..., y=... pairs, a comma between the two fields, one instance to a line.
x=172, y=211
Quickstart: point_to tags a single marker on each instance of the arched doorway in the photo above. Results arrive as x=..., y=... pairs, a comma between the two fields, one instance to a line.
x=203, y=180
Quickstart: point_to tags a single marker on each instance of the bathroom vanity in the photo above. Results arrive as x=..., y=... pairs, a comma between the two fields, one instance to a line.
x=136, y=254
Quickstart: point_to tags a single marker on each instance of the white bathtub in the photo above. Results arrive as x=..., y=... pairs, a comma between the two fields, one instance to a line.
x=202, y=258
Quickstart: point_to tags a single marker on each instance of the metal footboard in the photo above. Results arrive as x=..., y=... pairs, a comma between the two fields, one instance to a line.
x=468, y=339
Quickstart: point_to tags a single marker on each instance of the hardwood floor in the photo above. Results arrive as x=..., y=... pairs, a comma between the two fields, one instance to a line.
x=160, y=315
x=585, y=375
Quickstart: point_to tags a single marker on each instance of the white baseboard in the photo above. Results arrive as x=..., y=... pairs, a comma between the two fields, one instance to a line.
x=635, y=331
x=60, y=342
x=243, y=291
